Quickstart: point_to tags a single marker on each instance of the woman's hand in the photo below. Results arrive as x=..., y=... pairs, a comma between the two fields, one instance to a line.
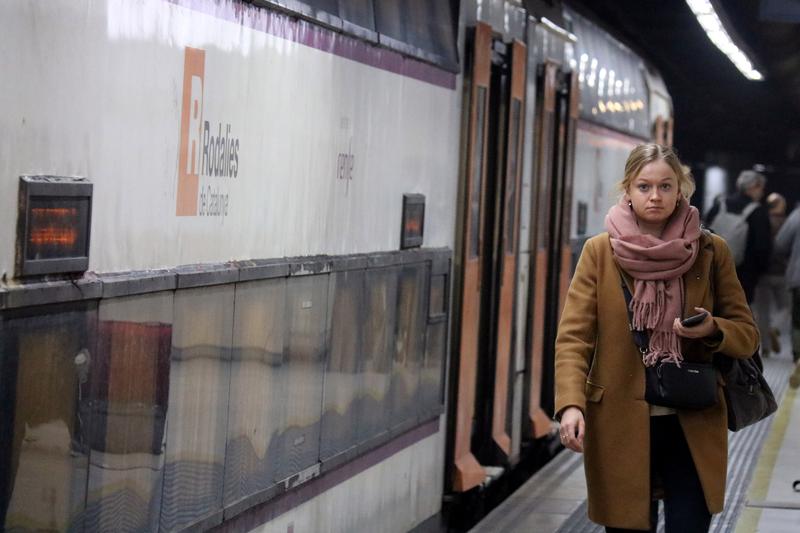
x=572, y=429
x=706, y=328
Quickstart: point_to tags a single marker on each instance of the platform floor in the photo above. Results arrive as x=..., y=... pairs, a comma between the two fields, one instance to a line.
x=763, y=462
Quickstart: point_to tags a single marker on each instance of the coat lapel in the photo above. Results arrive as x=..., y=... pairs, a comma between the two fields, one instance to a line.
x=696, y=280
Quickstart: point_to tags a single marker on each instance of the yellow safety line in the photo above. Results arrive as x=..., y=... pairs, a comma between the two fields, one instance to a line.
x=759, y=485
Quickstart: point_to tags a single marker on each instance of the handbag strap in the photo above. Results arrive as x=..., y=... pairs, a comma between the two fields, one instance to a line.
x=641, y=338
x=721, y=361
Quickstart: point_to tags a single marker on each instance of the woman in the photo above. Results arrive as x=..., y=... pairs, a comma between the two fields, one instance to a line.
x=634, y=450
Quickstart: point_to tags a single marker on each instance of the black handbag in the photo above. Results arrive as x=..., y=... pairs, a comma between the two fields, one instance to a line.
x=688, y=386
x=747, y=394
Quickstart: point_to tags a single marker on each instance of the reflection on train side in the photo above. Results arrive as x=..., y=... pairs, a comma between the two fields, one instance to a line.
x=254, y=416
x=158, y=411
x=343, y=377
x=198, y=404
x=44, y=377
x=380, y=317
x=127, y=408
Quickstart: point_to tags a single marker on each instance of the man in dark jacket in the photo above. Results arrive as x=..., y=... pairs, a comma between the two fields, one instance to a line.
x=750, y=187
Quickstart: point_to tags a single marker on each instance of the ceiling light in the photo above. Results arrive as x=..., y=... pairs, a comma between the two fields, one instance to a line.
x=711, y=23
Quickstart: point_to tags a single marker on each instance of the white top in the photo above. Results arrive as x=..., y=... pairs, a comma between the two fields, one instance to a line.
x=658, y=410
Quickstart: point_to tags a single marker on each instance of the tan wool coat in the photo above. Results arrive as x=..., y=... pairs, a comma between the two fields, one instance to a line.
x=599, y=370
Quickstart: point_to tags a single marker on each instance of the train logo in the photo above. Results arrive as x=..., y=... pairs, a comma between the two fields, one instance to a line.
x=191, y=124
x=202, y=153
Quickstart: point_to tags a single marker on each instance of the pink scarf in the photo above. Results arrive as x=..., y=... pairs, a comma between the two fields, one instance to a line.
x=656, y=266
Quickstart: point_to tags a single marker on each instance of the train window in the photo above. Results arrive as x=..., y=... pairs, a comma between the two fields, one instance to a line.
x=380, y=314
x=198, y=405
x=477, y=175
x=427, y=25
x=44, y=384
x=359, y=12
x=343, y=374
x=390, y=19
x=329, y=6
x=54, y=223
x=128, y=403
x=301, y=373
x=256, y=401
x=620, y=102
x=443, y=27
x=422, y=28
x=511, y=182
x=417, y=15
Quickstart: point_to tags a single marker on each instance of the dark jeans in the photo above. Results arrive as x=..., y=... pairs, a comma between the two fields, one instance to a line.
x=685, y=507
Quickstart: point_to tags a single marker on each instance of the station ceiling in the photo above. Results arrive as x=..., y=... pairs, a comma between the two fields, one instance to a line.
x=718, y=112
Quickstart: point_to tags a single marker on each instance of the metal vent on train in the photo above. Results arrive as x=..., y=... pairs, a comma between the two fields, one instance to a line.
x=53, y=225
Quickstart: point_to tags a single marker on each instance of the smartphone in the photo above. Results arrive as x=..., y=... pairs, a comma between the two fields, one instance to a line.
x=694, y=320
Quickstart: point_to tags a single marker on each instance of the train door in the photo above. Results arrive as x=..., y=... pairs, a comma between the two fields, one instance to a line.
x=466, y=471
x=555, y=125
x=489, y=229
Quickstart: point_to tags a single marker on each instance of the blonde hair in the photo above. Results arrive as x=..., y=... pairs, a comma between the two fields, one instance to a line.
x=644, y=154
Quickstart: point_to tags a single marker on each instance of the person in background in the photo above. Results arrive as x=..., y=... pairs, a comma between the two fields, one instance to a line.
x=788, y=242
x=635, y=451
x=750, y=187
x=772, y=298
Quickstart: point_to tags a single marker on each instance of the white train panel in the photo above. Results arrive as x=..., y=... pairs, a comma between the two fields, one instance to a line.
x=297, y=150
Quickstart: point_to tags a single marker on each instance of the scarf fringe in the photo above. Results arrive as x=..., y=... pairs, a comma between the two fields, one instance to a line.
x=665, y=347
x=647, y=315
x=649, y=304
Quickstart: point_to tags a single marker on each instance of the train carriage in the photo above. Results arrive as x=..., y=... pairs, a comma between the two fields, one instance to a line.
x=287, y=265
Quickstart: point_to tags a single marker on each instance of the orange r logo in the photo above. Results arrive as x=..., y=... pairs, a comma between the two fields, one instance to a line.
x=191, y=123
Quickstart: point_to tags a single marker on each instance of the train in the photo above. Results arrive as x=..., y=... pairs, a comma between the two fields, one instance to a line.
x=282, y=265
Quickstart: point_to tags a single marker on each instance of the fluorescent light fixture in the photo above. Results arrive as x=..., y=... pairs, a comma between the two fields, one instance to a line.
x=711, y=23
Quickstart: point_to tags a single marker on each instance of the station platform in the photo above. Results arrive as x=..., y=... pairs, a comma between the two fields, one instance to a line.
x=763, y=463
